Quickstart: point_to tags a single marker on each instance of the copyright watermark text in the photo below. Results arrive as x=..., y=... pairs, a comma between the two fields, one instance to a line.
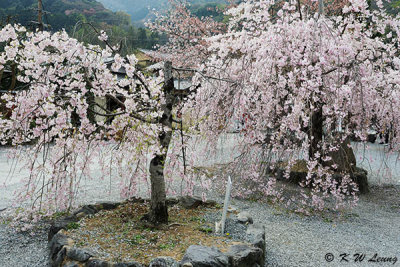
x=360, y=258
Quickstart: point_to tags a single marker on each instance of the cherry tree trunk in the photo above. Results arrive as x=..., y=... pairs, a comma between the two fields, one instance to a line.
x=158, y=208
x=316, y=133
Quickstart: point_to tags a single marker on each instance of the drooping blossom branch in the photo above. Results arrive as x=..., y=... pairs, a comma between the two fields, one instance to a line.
x=303, y=85
x=75, y=109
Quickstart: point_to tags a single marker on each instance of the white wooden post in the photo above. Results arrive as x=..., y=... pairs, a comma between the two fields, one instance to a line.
x=225, y=210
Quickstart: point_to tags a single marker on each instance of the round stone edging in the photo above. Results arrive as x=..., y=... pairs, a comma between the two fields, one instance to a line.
x=63, y=252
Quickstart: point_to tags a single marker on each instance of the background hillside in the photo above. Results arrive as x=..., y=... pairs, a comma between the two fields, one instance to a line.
x=122, y=19
x=139, y=9
x=65, y=14
x=62, y=13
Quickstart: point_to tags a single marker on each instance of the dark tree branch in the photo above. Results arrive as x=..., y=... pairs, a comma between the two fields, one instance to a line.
x=299, y=9
x=186, y=92
x=106, y=114
x=143, y=83
x=119, y=102
x=98, y=33
x=203, y=75
x=138, y=117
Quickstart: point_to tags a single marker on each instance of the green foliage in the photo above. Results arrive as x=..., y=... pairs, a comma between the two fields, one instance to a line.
x=135, y=240
x=168, y=245
x=208, y=10
x=196, y=219
x=394, y=7
x=59, y=214
x=206, y=229
x=73, y=225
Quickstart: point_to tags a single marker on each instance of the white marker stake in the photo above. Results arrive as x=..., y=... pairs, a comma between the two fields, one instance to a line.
x=226, y=204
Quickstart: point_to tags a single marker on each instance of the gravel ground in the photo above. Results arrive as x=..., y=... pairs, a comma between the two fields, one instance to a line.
x=371, y=228
x=22, y=249
x=236, y=230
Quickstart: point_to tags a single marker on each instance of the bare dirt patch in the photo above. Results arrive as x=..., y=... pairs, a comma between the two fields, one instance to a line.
x=120, y=236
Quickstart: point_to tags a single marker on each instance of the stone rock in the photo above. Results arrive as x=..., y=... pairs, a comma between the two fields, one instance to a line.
x=244, y=217
x=80, y=215
x=59, y=257
x=210, y=203
x=189, y=202
x=87, y=209
x=57, y=250
x=59, y=225
x=245, y=256
x=70, y=264
x=343, y=158
x=97, y=263
x=358, y=176
x=200, y=256
x=187, y=264
x=371, y=137
x=171, y=201
x=129, y=264
x=107, y=205
x=80, y=255
x=232, y=209
x=295, y=177
x=299, y=173
x=164, y=262
x=136, y=200
x=256, y=236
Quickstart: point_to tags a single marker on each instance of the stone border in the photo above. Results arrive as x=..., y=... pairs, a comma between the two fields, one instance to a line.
x=63, y=252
